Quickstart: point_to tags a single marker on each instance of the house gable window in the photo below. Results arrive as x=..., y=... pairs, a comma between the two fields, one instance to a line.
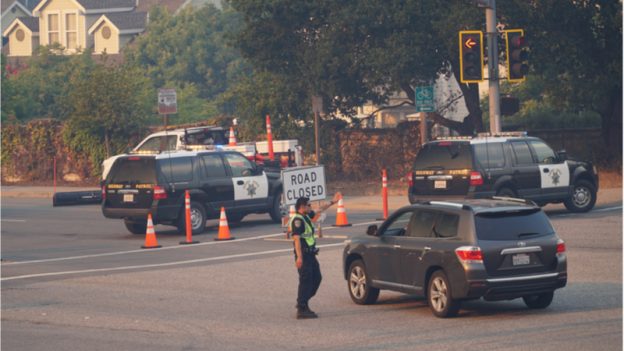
x=19, y=35
x=71, y=31
x=106, y=32
x=53, y=28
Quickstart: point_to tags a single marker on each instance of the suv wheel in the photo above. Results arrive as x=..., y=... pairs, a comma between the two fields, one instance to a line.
x=538, y=301
x=277, y=210
x=136, y=227
x=440, y=298
x=359, y=287
x=583, y=197
x=506, y=192
x=198, y=219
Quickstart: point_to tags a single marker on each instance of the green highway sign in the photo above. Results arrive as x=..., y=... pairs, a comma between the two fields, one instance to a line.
x=424, y=99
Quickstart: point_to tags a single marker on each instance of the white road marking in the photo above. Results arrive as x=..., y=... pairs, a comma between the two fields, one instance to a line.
x=14, y=220
x=169, y=264
x=163, y=248
x=607, y=209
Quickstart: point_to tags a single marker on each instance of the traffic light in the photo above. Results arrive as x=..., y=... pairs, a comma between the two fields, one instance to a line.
x=471, y=56
x=517, y=55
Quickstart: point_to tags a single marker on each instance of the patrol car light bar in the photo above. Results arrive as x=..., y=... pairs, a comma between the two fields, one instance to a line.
x=454, y=138
x=144, y=152
x=503, y=134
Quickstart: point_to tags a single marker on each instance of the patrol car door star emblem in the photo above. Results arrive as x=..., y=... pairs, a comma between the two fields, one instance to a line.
x=555, y=174
x=251, y=186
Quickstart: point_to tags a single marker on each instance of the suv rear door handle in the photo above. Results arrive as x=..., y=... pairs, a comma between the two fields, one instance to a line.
x=240, y=182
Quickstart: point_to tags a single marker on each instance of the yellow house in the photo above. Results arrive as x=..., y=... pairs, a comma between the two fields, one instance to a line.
x=77, y=25
x=15, y=9
x=23, y=34
x=112, y=31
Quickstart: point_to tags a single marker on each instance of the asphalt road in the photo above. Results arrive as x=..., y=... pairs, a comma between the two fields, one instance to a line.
x=74, y=280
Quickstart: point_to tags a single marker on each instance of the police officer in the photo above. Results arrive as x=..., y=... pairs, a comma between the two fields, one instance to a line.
x=305, y=253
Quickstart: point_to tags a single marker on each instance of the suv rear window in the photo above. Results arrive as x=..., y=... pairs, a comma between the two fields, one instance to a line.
x=133, y=170
x=490, y=155
x=512, y=225
x=177, y=169
x=444, y=155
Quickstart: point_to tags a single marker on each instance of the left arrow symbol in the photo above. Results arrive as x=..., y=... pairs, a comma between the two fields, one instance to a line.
x=470, y=43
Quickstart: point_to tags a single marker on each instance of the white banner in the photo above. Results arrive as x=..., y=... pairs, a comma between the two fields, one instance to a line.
x=304, y=181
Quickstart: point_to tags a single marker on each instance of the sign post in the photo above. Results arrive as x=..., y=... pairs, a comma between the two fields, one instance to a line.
x=167, y=104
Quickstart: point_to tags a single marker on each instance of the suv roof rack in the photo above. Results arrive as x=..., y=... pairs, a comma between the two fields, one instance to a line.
x=514, y=199
x=503, y=134
x=450, y=204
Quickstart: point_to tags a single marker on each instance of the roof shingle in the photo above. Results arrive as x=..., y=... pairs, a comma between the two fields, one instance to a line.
x=128, y=20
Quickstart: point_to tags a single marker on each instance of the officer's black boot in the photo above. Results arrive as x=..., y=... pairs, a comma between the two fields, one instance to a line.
x=307, y=307
x=303, y=312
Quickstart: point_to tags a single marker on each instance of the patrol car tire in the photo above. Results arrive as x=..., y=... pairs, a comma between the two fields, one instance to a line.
x=440, y=297
x=198, y=219
x=538, y=301
x=582, y=198
x=136, y=227
x=506, y=192
x=276, y=208
x=360, y=290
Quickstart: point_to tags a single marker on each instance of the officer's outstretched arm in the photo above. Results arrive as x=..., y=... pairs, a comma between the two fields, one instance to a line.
x=337, y=197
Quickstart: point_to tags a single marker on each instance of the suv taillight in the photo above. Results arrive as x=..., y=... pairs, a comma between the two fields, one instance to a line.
x=561, y=247
x=475, y=178
x=410, y=179
x=469, y=254
x=159, y=193
x=103, y=192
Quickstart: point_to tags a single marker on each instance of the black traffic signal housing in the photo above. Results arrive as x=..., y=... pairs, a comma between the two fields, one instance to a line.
x=471, y=56
x=517, y=55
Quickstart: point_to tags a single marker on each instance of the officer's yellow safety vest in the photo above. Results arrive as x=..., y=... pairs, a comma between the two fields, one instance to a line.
x=308, y=235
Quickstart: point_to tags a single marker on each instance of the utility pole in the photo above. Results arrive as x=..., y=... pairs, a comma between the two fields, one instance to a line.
x=492, y=45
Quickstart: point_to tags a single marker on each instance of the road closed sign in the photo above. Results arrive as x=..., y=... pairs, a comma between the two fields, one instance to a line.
x=304, y=181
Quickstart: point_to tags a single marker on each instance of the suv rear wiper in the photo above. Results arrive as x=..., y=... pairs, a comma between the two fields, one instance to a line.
x=528, y=234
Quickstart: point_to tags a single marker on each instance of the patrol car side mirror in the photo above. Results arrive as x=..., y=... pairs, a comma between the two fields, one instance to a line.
x=372, y=230
x=562, y=155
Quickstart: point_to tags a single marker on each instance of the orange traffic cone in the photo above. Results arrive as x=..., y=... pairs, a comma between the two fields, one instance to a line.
x=269, y=138
x=341, y=215
x=232, y=141
x=150, y=235
x=224, y=228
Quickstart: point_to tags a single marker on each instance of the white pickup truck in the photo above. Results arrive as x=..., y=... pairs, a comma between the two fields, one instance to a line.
x=205, y=138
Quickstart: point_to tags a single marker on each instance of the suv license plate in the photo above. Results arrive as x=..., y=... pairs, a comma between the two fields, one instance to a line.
x=128, y=198
x=439, y=184
x=520, y=259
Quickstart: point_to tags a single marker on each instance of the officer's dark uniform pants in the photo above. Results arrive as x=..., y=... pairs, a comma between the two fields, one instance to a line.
x=309, y=279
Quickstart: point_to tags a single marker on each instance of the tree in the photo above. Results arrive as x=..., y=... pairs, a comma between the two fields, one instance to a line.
x=576, y=50
x=359, y=51
x=33, y=91
x=106, y=105
x=187, y=51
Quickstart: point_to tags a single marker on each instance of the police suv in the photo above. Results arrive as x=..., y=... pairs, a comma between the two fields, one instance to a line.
x=138, y=184
x=508, y=164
